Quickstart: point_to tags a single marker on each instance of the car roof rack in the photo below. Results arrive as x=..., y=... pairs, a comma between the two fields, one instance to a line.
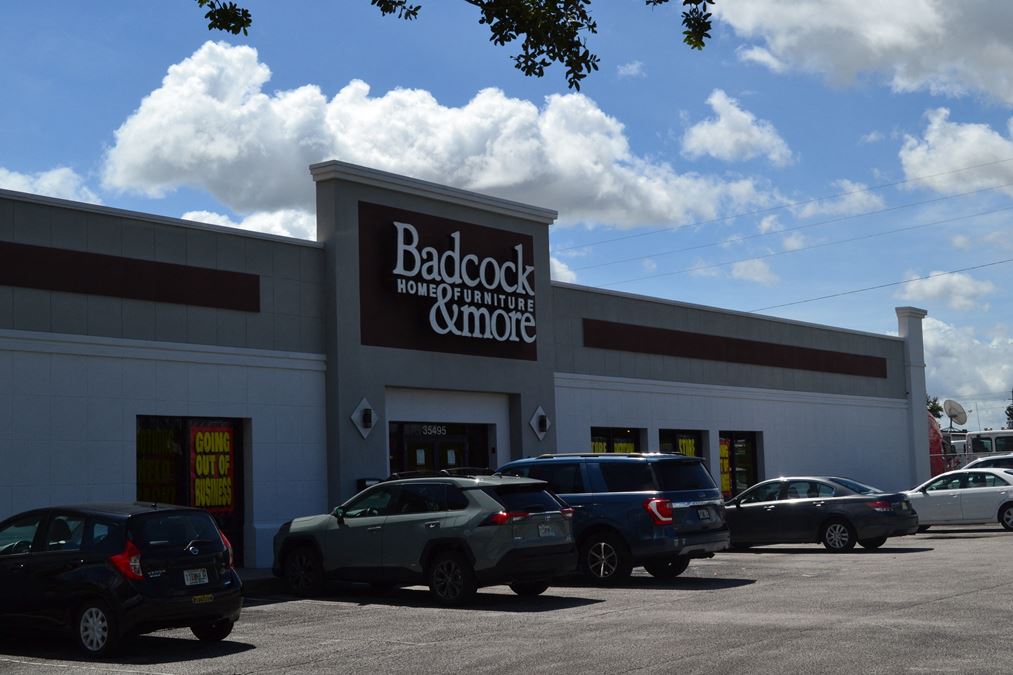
x=456, y=472
x=549, y=455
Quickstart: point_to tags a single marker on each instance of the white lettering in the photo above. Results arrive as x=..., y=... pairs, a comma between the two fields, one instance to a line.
x=403, y=248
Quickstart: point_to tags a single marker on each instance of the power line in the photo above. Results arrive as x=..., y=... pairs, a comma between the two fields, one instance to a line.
x=785, y=205
x=879, y=286
x=827, y=244
x=791, y=229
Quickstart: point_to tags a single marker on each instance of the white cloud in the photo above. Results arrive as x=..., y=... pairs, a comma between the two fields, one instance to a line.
x=794, y=241
x=560, y=271
x=211, y=125
x=872, y=137
x=649, y=265
x=754, y=270
x=940, y=46
x=761, y=56
x=770, y=224
x=704, y=268
x=959, y=291
x=62, y=183
x=735, y=135
x=960, y=241
x=286, y=222
x=631, y=69
x=853, y=198
x=946, y=146
x=961, y=365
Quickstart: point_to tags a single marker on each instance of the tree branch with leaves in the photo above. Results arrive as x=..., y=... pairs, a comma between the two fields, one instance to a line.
x=549, y=31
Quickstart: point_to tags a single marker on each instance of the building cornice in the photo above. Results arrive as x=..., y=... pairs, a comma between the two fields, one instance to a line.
x=352, y=173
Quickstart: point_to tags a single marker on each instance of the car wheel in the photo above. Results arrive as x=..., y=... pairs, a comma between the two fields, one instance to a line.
x=1006, y=517
x=872, y=543
x=304, y=572
x=923, y=528
x=95, y=628
x=667, y=569
x=529, y=589
x=212, y=632
x=451, y=579
x=604, y=559
x=838, y=536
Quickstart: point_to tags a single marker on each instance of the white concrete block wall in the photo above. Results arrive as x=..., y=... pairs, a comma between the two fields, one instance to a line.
x=68, y=421
x=859, y=437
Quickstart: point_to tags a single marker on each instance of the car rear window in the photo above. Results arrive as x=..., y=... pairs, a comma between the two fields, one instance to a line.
x=680, y=475
x=635, y=476
x=528, y=499
x=173, y=529
x=859, y=488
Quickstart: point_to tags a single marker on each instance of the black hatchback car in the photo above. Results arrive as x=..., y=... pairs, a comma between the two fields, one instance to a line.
x=105, y=571
x=837, y=512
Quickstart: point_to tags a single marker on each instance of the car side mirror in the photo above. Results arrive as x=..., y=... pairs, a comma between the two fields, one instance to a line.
x=339, y=514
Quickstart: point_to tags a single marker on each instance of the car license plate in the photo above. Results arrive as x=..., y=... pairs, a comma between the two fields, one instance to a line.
x=195, y=577
x=203, y=599
x=703, y=514
x=546, y=530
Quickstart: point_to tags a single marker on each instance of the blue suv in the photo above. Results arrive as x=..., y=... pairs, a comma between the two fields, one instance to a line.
x=652, y=509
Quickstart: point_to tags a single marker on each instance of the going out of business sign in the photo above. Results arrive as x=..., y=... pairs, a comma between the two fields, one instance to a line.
x=442, y=285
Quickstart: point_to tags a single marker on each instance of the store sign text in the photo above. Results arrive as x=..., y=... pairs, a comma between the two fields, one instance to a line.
x=211, y=469
x=474, y=297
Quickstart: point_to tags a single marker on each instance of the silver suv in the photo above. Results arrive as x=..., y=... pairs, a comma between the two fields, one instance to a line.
x=455, y=534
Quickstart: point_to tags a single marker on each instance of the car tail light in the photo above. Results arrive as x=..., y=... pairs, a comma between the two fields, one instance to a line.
x=881, y=505
x=128, y=562
x=567, y=512
x=660, y=510
x=228, y=549
x=504, y=517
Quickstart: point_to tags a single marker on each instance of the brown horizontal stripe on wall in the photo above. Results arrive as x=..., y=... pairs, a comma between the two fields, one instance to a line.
x=665, y=342
x=58, y=269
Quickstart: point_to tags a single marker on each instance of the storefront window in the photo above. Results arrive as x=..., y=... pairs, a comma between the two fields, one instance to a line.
x=689, y=443
x=615, y=439
x=194, y=462
x=739, y=461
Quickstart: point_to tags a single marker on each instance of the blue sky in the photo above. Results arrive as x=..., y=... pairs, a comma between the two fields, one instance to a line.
x=836, y=148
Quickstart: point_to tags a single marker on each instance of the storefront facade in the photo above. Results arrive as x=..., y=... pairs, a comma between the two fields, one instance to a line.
x=264, y=377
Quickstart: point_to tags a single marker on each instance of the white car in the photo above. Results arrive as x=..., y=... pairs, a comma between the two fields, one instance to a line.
x=965, y=496
x=993, y=462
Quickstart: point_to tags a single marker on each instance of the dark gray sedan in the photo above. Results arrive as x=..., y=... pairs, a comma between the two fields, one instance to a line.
x=836, y=512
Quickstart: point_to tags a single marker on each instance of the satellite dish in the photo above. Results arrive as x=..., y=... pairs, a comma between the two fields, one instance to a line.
x=955, y=412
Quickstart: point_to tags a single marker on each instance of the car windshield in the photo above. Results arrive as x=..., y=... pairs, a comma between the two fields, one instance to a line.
x=682, y=475
x=855, y=486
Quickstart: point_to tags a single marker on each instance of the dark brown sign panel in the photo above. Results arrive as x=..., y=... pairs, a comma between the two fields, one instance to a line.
x=442, y=285
x=647, y=340
x=58, y=269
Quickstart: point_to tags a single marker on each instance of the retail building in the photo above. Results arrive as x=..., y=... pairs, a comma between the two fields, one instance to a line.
x=264, y=377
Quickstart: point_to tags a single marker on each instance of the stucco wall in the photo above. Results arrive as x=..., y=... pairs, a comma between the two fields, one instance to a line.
x=68, y=421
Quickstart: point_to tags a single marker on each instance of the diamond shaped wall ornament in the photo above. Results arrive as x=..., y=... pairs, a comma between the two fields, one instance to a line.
x=540, y=423
x=364, y=417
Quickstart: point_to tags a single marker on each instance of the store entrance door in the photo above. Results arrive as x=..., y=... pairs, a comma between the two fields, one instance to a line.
x=435, y=446
x=739, y=461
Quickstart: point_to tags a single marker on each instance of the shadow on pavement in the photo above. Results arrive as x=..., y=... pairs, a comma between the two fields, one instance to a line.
x=143, y=650
x=677, y=584
x=962, y=533
x=858, y=550
x=363, y=595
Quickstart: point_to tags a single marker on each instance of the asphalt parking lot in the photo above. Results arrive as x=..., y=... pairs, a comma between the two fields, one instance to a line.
x=941, y=601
